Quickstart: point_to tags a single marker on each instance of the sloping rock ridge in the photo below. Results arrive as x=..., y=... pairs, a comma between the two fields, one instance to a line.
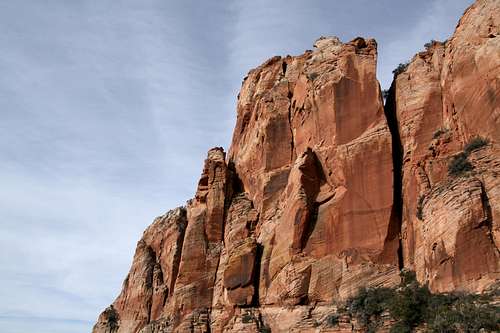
x=324, y=191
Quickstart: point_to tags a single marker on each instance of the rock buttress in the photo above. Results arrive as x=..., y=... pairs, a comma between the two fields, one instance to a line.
x=150, y=282
x=203, y=242
x=313, y=150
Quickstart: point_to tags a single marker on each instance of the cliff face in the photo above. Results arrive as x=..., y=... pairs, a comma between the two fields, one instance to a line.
x=445, y=100
x=323, y=192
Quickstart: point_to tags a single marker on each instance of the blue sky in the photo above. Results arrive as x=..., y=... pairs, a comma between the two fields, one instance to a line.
x=107, y=109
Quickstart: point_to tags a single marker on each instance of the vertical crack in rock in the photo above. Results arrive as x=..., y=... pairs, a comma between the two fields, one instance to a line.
x=290, y=110
x=397, y=161
x=284, y=67
x=236, y=183
x=150, y=268
x=209, y=320
x=488, y=221
x=303, y=210
x=256, y=277
x=292, y=138
x=319, y=178
x=178, y=253
x=232, y=187
x=311, y=223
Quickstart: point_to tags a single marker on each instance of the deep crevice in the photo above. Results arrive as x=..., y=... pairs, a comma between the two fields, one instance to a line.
x=178, y=253
x=149, y=279
x=209, y=320
x=311, y=224
x=284, y=66
x=488, y=221
x=313, y=204
x=235, y=181
x=256, y=275
x=292, y=137
x=396, y=220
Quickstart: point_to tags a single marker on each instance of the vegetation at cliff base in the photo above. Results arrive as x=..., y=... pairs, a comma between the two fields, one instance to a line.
x=412, y=305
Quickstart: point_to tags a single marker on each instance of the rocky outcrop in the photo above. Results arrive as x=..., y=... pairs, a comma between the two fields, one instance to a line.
x=150, y=282
x=447, y=98
x=313, y=151
x=325, y=191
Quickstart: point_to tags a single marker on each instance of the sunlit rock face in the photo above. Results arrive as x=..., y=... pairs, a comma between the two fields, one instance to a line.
x=324, y=191
x=447, y=98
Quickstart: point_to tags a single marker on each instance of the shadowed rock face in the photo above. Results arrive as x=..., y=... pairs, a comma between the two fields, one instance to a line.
x=323, y=191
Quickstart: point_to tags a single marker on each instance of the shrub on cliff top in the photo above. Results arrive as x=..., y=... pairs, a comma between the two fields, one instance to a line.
x=429, y=44
x=401, y=68
x=112, y=317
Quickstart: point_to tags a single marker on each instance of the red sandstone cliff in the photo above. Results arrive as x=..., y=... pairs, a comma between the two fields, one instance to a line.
x=447, y=97
x=323, y=192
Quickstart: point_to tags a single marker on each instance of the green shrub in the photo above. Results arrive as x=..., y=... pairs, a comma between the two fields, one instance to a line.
x=409, y=306
x=369, y=304
x=400, y=328
x=475, y=144
x=112, y=317
x=408, y=278
x=412, y=305
x=460, y=162
x=401, y=68
x=462, y=313
x=459, y=165
x=429, y=44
